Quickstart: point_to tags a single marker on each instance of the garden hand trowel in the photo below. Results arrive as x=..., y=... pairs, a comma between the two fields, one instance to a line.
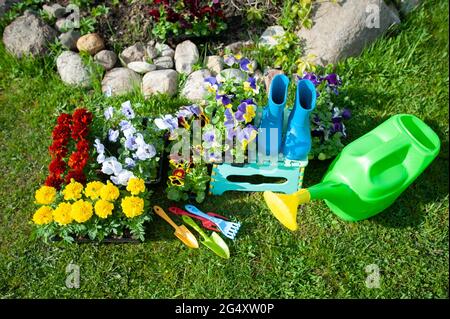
x=181, y=232
x=213, y=242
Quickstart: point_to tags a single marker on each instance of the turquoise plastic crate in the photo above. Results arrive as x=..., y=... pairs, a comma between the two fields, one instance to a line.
x=221, y=173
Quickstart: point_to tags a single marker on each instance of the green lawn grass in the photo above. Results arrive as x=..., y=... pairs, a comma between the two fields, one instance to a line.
x=404, y=72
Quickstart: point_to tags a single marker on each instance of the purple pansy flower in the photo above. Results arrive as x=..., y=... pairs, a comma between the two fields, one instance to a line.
x=229, y=60
x=245, y=65
x=127, y=110
x=239, y=115
x=209, y=136
x=113, y=135
x=109, y=112
x=346, y=114
x=229, y=118
x=224, y=99
x=130, y=143
x=312, y=77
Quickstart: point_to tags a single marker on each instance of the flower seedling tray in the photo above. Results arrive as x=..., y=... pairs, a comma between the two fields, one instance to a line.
x=255, y=177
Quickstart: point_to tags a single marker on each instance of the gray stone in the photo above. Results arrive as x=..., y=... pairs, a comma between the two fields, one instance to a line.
x=141, y=67
x=341, y=31
x=235, y=74
x=160, y=81
x=136, y=52
x=55, y=10
x=164, y=50
x=68, y=23
x=28, y=35
x=194, y=89
x=271, y=36
x=72, y=69
x=214, y=63
x=69, y=39
x=164, y=62
x=106, y=58
x=406, y=6
x=120, y=81
x=91, y=43
x=152, y=53
x=186, y=55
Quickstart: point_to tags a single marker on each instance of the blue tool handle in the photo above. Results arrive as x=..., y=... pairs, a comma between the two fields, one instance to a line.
x=194, y=210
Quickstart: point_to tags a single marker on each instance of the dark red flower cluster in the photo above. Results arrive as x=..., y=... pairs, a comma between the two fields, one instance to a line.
x=75, y=126
x=191, y=12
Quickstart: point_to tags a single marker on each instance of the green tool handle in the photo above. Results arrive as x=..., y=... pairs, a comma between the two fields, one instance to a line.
x=188, y=220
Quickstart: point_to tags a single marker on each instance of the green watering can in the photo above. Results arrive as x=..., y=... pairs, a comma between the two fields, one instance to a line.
x=369, y=174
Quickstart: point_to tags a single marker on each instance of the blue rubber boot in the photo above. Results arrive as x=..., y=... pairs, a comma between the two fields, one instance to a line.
x=272, y=116
x=297, y=143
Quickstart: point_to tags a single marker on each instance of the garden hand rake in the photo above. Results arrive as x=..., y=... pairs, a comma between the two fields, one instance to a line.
x=229, y=229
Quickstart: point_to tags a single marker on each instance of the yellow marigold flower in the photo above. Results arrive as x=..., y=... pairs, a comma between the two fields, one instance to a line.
x=43, y=216
x=45, y=195
x=81, y=211
x=132, y=206
x=92, y=189
x=73, y=190
x=109, y=192
x=62, y=215
x=135, y=185
x=103, y=208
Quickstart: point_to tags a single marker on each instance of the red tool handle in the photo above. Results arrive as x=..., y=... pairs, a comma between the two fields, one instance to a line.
x=206, y=223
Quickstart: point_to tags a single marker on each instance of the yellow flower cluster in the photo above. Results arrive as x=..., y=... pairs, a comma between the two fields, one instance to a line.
x=81, y=211
x=103, y=208
x=73, y=190
x=63, y=214
x=43, y=216
x=93, y=189
x=136, y=186
x=109, y=192
x=45, y=195
x=132, y=206
x=98, y=199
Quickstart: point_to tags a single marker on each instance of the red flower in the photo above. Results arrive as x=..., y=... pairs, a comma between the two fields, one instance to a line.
x=83, y=146
x=179, y=172
x=78, y=160
x=77, y=175
x=155, y=14
x=53, y=181
x=81, y=119
x=58, y=149
x=64, y=119
x=172, y=16
x=57, y=167
x=206, y=10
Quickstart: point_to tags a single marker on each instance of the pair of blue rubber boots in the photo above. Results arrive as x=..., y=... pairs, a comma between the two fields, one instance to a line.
x=297, y=141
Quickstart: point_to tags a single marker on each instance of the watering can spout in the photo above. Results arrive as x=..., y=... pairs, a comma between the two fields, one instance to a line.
x=285, y=206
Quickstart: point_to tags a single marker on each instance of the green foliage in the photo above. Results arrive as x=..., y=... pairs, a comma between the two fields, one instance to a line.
x=82, y=3
x=296, y=13
x=286, y=55
x=255, y=14
x=179, y=20
x=87, y=25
